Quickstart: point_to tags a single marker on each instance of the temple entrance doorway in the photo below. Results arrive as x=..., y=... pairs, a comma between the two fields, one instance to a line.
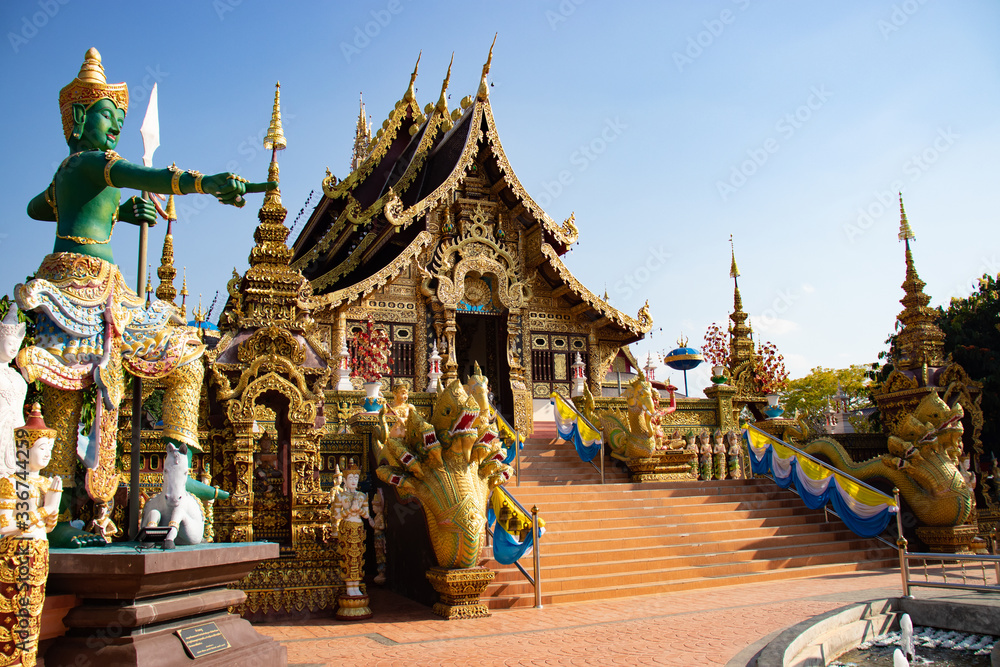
x=482, y=338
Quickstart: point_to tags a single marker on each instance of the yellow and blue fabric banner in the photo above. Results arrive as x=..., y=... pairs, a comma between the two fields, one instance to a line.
x=507, y=548
x=864, y=510
x=572, y=427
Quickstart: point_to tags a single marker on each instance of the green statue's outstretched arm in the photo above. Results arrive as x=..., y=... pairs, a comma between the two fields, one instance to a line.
x=228, y=188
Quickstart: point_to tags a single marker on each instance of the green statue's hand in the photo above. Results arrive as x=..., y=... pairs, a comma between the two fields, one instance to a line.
x=137, y=210
x=229, y=188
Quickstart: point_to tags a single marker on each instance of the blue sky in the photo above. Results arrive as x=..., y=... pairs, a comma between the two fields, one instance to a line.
x=664, y=126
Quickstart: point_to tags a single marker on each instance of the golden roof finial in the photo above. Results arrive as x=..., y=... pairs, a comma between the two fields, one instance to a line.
x=275, y=139
x=740, y=331
x=199, y=312
x=442, y=104
x=484, y=86
x=905, y=233
x=411, y=93
x=734, y=271
x=362, y=139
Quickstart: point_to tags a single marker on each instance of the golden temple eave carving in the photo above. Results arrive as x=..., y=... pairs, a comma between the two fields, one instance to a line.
x=375, y=281
x=637, y=327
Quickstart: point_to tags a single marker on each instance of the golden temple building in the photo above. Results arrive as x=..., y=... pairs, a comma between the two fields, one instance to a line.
x=434, y=236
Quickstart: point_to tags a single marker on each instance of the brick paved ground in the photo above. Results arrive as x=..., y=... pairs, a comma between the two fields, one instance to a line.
x=705, y=627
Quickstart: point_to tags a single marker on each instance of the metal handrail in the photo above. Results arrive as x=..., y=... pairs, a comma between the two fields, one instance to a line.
x=587, y=422
x=823, y=464
x=905, y=558
x=536, y=581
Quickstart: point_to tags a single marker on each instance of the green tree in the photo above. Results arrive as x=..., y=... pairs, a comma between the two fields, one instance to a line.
x=810, y=394
x=972, y=327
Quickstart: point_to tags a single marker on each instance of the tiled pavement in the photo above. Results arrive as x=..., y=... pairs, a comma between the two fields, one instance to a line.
x=703, y=627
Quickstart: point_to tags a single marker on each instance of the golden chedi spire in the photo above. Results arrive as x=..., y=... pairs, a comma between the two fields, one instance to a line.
x=274, y=141
x=270, y=288
x=921, y=342
x=167, y=272
x=740, y=342
x=362, y=139
x=484, y=86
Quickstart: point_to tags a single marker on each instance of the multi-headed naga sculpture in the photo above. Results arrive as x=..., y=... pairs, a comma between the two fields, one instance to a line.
x=922, y=462
x=450, y=464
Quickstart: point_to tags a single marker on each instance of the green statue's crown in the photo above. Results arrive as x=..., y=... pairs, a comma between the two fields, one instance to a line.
x=89, y=86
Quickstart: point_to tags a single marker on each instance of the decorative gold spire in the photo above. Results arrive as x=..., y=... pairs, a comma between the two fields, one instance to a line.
x=167, y=272
x=275, y=139
x=184, y=295
x=921, y=342
x=411, y=93
x=484, y=86
x=270, y=289
x=734, y=271
x=740, y=341
x=442, y=105
x=905, y=233
x=362, y=139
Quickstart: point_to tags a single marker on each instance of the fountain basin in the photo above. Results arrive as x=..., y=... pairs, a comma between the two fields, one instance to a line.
x=820, y=640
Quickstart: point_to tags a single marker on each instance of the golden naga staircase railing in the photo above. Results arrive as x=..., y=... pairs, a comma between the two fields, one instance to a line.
x=536, y=581
x=953, y=565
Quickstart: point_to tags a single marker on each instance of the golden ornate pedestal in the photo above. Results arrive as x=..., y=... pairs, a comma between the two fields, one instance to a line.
x=665, y=466
x=352, y=608
x=948, y=539
x=460, y=590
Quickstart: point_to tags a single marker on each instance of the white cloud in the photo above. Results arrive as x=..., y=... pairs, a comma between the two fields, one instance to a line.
x=774, y=326
x=797, y=365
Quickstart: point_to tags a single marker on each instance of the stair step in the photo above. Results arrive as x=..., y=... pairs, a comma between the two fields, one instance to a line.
x=620, y=539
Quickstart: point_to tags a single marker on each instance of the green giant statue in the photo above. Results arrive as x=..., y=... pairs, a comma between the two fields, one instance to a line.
x=90, y=324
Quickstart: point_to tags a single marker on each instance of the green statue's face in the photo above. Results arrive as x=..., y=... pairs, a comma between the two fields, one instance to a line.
x=102, y=126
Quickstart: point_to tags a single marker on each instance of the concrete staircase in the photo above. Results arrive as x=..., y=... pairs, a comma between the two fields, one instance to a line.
x=619, y=539
x=546, y=460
